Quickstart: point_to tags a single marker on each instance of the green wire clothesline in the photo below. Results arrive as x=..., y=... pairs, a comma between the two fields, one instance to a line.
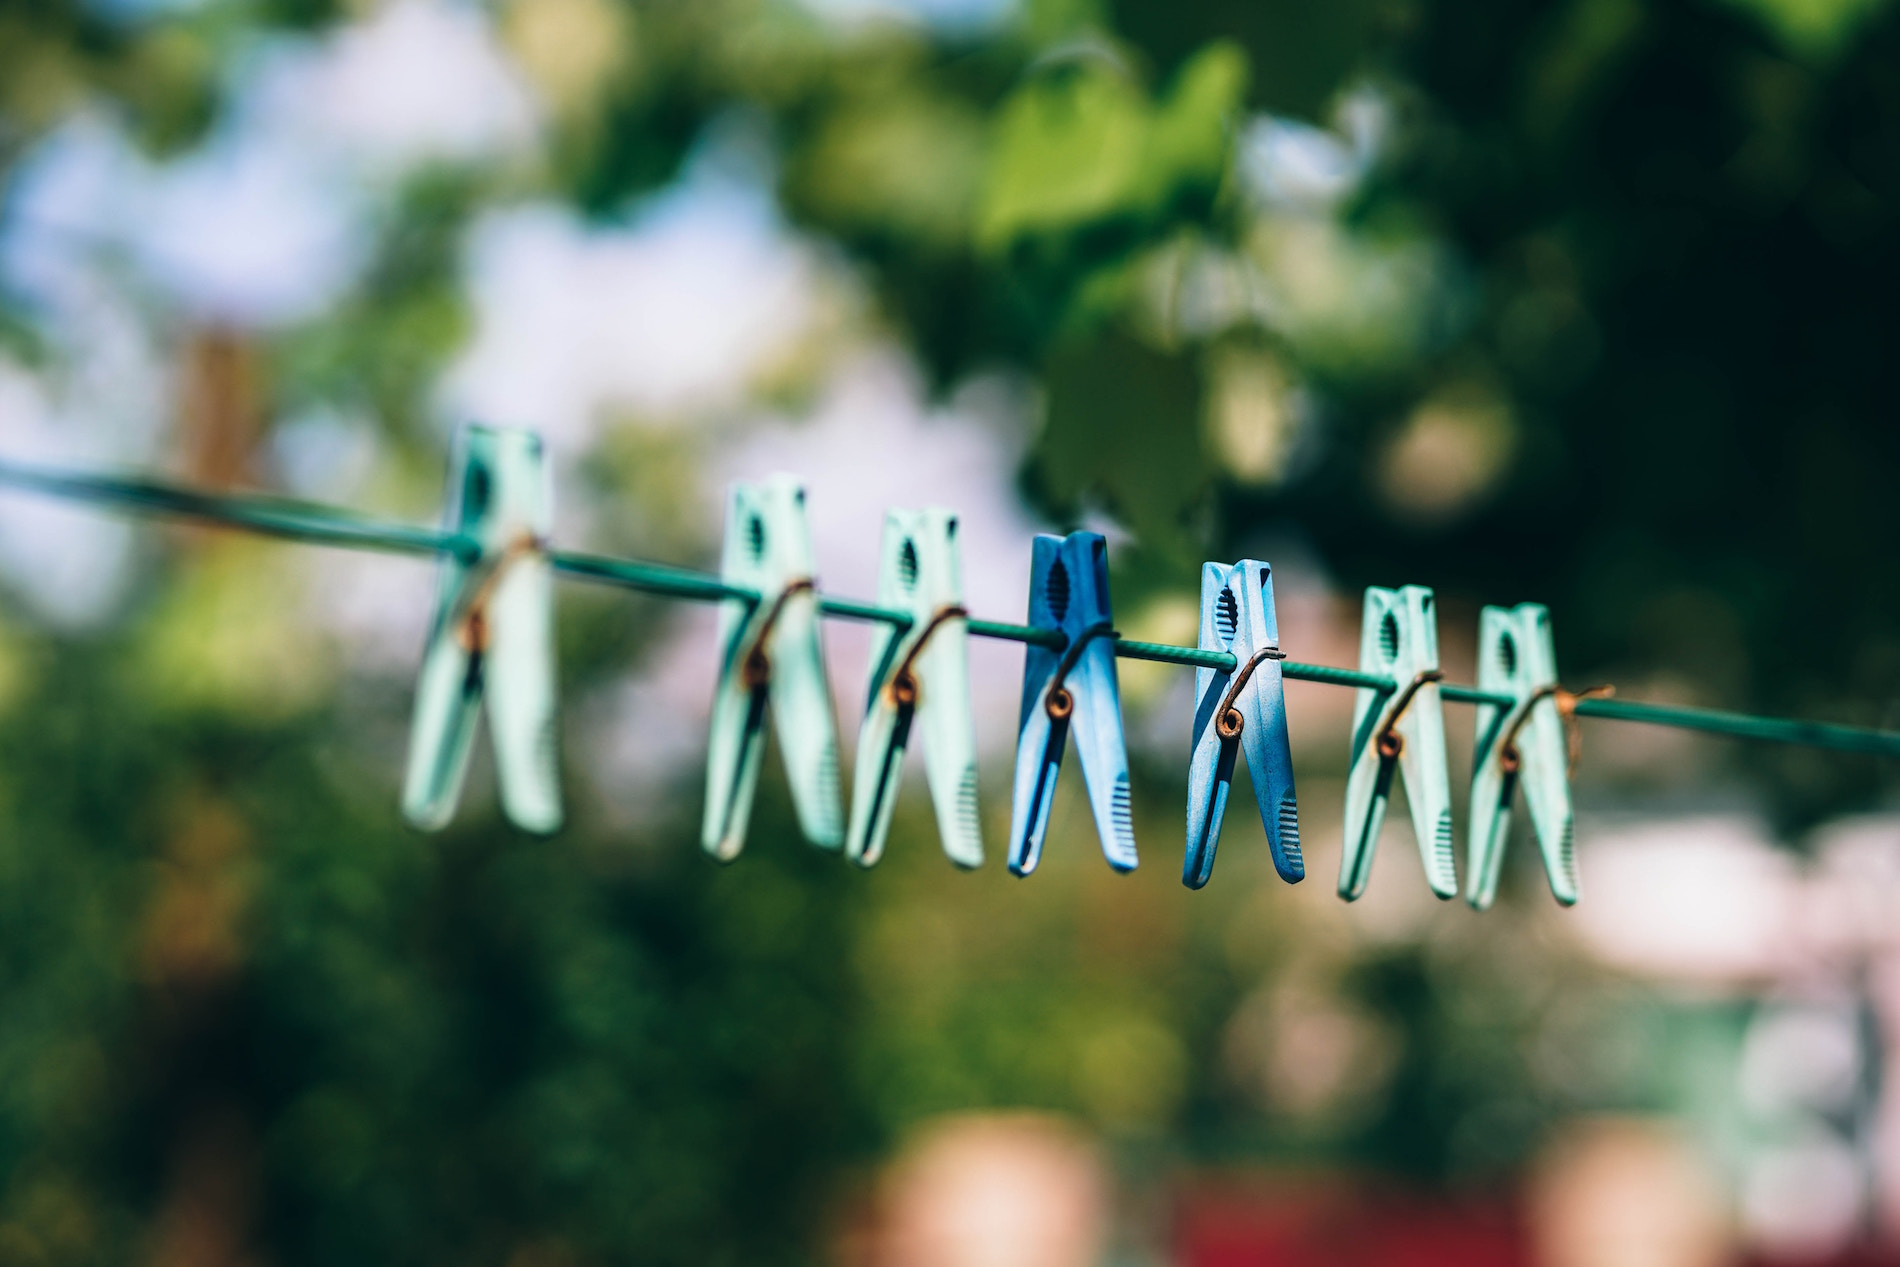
x=324, y=525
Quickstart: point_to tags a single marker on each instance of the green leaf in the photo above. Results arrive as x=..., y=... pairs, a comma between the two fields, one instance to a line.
x=1081, y=143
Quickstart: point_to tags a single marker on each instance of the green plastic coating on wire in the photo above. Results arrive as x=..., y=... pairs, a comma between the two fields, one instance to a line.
x=1332, y=676
x=271, y=516
x=648, y=578
x=1472, y=695
x=325, y=525
x=1053, y=639
x=852, y=609
x=1163, y=653
x=1809, y=734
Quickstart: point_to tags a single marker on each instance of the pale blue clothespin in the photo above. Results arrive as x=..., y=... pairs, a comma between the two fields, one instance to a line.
x=770, y=653
x=1526, y=743
x=493, y=638
x=1074, y=687
x=1245, y=709
x=1399, y=730
x=920, y=678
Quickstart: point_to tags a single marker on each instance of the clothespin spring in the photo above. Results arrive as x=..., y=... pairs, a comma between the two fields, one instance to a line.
x=1390, y=742
x=903, y=682
x=758, y=665
x=471, y=624
x=1059, y=703
x=1227, y=719
x=1567, y=701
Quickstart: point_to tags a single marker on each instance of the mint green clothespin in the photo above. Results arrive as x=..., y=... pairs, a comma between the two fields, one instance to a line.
x=493, y=636
x=1399, y=731
x=920, y=677
x=1526, y=743
x=770, y=653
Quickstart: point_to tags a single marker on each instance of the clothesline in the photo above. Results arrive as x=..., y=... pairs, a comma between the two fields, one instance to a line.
x=329, y=526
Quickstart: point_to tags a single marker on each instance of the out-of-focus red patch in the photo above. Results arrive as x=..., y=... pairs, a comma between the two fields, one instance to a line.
x=1265, y=1219
x=1276, y=1221
x=1868, y=1256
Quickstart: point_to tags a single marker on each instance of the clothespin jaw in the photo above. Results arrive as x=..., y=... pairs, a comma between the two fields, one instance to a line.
x=770, y=652
x=1524, y=744
x=920, y=678
x=1245, y=709
x=1073, y=688
x=493, y=637
x=1400, y=731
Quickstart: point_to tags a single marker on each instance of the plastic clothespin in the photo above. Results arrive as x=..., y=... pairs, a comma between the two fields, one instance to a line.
x=493, y=637
x=1075, y=687
x=1243, y=709
x=1400, y=730
x=770, y=652
x=1524, y=743
x=921, y=678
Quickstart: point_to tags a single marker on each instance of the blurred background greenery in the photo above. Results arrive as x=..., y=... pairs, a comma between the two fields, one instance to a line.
x=1576, y=302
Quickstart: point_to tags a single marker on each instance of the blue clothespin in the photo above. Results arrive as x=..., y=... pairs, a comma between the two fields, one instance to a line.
x=493, y=637
x=1068, y=590
x=1526, y=743
x=1243, y=709
x=770, y=653
x=921, y=678
x=1399, y=730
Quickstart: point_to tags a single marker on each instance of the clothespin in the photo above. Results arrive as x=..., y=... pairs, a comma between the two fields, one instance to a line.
x=770, y=653
x=1074, y=687
x=1243, y=709
x=493, y=637
x=1532, y=742
x=1400, y=730
x=922, y=677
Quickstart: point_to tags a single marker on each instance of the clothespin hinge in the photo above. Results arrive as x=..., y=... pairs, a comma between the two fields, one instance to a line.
x=1567, y=701
x=1390, y=742
x=903, y=686
x=1058, y=702
x=1227, y=719
x=758, y=666
x=471, y=623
